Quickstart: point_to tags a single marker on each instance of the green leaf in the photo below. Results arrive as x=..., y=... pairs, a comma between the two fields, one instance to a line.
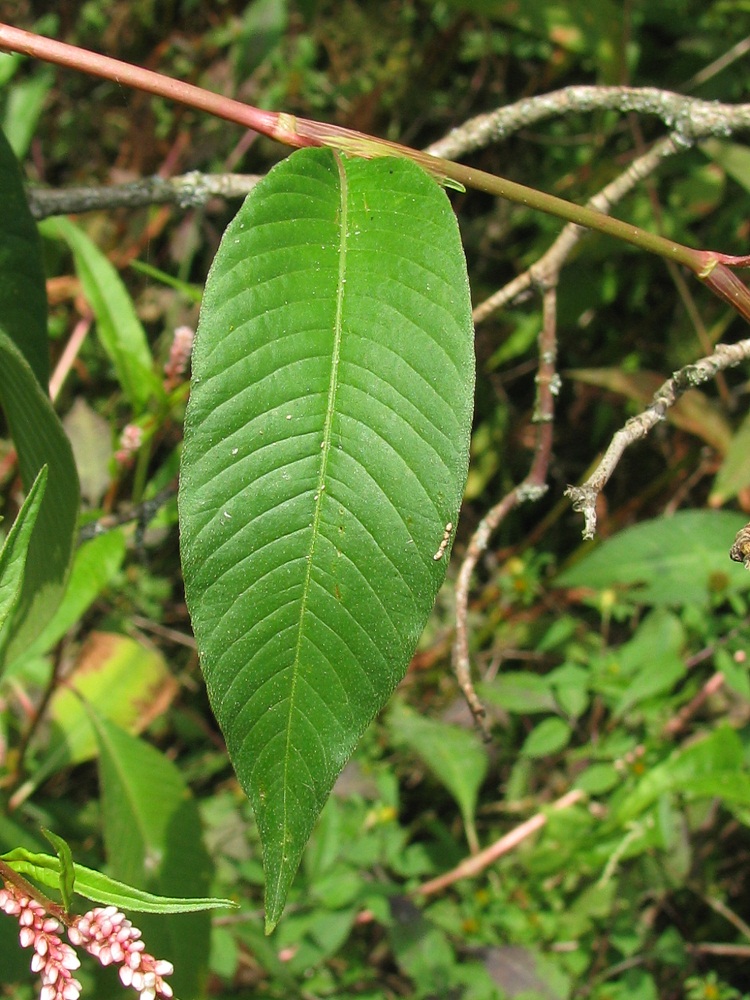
x=99, y=888
x=122, y=679
x=153, y=837
x=23, y=296
x=455, y=756
x=678, y=560
x=520, y=692
x=192, y=292
x=326, y=449
x=734, y=471
x=24, y=105
x=711, y=766
x=549, y=737
x=13, y=554
x=653, y=660
x=119, y=329
x=67, y=867
x=94, y=564
x=734, y=157
x=39, y=440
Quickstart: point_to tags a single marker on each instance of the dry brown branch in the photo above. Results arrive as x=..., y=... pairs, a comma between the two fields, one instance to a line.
x=533, y=487
x=584, y=497
x=554, y=259
x=478, y=862
x=686, y=713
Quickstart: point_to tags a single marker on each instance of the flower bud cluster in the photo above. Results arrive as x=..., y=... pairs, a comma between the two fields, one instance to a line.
x=53, y=959
x=109, y=936
x=104, y=932
x=179, y=356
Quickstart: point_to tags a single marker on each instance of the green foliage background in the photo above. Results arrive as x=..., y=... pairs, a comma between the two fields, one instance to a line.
x=640, y=890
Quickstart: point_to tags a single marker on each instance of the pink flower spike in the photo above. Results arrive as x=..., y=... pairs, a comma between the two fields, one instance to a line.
x=109, y=936
x=52, y=958
x=179, y=356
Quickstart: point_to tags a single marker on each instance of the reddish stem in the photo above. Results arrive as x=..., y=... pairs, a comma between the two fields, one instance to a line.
x=302, y=132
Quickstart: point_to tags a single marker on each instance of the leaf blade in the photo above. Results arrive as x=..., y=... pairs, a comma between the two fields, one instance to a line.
x=120, y=331
x=325, y=455
x=23, y=296
x=16, y=546
x=40, y=440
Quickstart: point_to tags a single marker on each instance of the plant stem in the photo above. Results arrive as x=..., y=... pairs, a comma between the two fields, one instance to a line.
x=299, y=132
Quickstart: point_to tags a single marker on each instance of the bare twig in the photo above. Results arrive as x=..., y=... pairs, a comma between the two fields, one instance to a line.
x=554, y=259
x=584, y=497
x=686, y=713
x=141, y=513
x=543, y=272
x=688, y=118
x=725, y=950
x=188, y=190
x=478, y=862
x=533, y=487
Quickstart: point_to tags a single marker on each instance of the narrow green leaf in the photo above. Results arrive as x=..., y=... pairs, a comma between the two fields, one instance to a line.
x=23, y=296
x=677, y=560
x=94, y=564
x=99, y=888
x=734, y=471
x=520, y=692
x=13, y=554
x=455, y=756
x=192, y=292
x=39, y=440
x=733, y=157
x=67, y=867
x=25, y=101
x=119, y=329
x=326, y=450
x=153, y=837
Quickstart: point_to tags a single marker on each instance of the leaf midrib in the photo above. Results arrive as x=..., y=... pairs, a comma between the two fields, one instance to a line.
x=320, y=489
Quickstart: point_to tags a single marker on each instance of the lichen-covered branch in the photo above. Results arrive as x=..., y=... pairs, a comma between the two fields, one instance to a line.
x=688, y=118
x=691, y=376
x=186, y=191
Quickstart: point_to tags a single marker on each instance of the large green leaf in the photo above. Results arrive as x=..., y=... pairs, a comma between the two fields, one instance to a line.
x=681, y=559
x=40, y=440
x=23, y=297
x=326, y=450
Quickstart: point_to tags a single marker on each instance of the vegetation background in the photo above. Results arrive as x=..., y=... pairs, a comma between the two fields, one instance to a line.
x=636, y=699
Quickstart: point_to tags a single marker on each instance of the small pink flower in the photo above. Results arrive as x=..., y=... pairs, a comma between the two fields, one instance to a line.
x=109, y=936
x=179, y=356
x=52, y=958
x=130, y=441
